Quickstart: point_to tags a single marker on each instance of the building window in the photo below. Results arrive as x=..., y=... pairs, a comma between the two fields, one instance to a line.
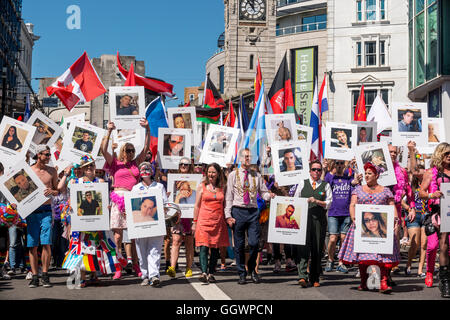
x=191, y=97
x=317, y=22
x=369, y=96
x=358, y=54
x=371, y=10
x=359, y=10
x=370, y=51
x=251, y=62
x=382, y=53
x=434, y=104
x=221, y=78
x=382, y=10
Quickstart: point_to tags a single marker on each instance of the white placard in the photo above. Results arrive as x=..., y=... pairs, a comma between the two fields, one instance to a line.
x=59, y=164
x=219, y=146
x=436, y=135
x=22, y=186
x=445, y=207
x=366, y=131
x=281, y=127
x=81, y=117
x=288, y=220
x=89, y=202
x=135, y=136
x=378, y=154
x=340, y=141
x=184, y=118
x=290, y=162
x=47, y=131
x=145, y=213
x=15, y=138
x=81, y=139
x=374, y=232
x=403, y=152
x=127, y=106
x=409, y=123
x=183, y=190
x=173, y=144
x=305, y=133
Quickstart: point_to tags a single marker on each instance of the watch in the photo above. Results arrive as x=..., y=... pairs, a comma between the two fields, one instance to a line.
x=254, y=10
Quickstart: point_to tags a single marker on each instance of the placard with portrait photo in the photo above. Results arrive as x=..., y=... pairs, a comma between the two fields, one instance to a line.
x=340, y=141
x=366, y=131
x=134, y=136
x=378, y=154
x=89, y=202
x=145, y=213
x=436, y=135
x=220, y=144
x=173, y=144
x=184, y=118
x=445, y=207
x=15, y=138
x=47, y=131
x=127, y=106
x=80, y=117
x=81, y=139
x=374, y=231
x=305, y=133
x=21, y=186
x=403, y=152
x=290, y=161
x=409, y=123
x=183, y=190
x=281, y=127
x=288, y=220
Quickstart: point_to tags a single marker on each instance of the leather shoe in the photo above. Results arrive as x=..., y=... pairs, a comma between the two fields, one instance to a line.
x=242, y=280
x=303, y=283
x=256, y=278
x=316, y=284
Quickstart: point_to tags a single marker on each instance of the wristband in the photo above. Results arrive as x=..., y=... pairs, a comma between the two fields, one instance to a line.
x=194, y=220
x=430, y=195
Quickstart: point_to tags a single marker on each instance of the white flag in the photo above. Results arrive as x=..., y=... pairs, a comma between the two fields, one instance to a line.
x=380, y=114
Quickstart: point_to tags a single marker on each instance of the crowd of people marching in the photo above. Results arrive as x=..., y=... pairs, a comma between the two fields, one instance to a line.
x=231, y=220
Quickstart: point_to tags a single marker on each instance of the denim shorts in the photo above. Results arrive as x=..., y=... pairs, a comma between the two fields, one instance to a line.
x=339, y=225
x=39, y=227
x=417, y=223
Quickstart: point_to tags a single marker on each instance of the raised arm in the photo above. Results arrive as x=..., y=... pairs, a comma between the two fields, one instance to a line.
x=109, y=158
x=144, y=123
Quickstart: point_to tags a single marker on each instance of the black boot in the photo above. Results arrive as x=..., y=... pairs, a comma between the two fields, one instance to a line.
x=444, y=281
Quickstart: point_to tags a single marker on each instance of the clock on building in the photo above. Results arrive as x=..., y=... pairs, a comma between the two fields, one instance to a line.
x=252, y=10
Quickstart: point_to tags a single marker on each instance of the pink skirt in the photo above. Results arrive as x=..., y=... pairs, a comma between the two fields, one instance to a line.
x=118, y=217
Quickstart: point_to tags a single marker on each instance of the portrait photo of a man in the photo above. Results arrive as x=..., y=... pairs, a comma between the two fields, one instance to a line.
x=84, y=140
x=20, y=185
x=220, y=142
x=290, y=159
x=89, y=206
x=341, y=138
x=287, y=219
x=173, y=145
x=126, y=105
x=409, y=122
x=144, y=209
x=42, y=134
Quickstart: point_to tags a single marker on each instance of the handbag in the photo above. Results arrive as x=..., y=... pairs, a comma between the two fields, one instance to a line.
x=430, y=228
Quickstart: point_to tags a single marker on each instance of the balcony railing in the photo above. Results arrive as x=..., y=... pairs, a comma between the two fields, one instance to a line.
x=281, y=3
x=315, y=26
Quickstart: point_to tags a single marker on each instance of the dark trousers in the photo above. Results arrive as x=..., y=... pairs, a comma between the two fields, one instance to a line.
x=59, y=244
x=247, y=220
x=315, y=241
x=289, y=250
x=210, y=267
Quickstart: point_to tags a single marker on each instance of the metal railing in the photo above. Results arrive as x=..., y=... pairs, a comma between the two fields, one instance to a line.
x=315, y=26
x=281, y=3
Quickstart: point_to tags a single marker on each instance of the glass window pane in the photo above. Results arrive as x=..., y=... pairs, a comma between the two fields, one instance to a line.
x=434, y=104
x=370, y=53
x=411, y=55
x=358, y=54
x=411, y=9
x=430, y=2
x=382, y=54
x=419, y=50
x=385, y=96
x=371, y=10
x=432, y=42
x=419, y=5
x=382, y=10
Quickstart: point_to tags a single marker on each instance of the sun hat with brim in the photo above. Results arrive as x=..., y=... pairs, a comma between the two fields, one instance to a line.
x=86, y=160
x=185, y=160
x=40, y=148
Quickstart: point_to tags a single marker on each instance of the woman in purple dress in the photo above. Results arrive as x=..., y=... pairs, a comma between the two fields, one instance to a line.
x=371, y=193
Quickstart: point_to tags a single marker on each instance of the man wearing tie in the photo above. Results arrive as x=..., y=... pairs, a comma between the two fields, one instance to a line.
x=241, y=212
x=319, y=197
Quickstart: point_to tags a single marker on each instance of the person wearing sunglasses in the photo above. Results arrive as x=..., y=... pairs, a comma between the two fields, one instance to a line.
x=39, y=223
x=342, y=184
x=319, y=195
x=125, y=172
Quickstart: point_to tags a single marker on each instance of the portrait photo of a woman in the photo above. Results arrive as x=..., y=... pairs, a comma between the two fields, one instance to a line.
x=11, y=140
x=373, y=225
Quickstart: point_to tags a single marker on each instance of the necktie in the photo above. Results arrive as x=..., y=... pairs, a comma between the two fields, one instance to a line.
x=246, y=188
x=314, y=185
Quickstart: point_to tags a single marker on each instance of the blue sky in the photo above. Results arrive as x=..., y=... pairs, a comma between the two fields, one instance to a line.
x=174, y=38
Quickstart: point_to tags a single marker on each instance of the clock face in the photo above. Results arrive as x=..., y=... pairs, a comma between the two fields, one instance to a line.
x=252, y=10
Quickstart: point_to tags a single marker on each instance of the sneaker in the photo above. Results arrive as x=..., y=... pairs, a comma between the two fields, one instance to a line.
x=29, y=275
x=429, y=280
x=117, y=275
x=12, y=272
x=358, y=274
x=290, y=266
x=4, y=275
x=155, y=282
x=34, y=283
x=342, y=268
x=145, y=282
x=45, y=280
x=211, y=278
x=171, y=272
x=277, y=267
x=329, y=266
x=233, y=264
x=188, y=273
x=203, y=278
x=408, y=271
x=422, y=275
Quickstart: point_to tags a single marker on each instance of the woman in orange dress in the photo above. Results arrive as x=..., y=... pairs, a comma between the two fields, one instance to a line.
x=209, y=223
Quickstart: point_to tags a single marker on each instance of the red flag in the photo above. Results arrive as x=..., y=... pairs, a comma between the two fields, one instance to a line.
x=131, y=79
x=151, y=84
x=280, y=94
x=80, y=83
x=258, y=81
x=231, y=117
x=187, y=104
x=360, y=110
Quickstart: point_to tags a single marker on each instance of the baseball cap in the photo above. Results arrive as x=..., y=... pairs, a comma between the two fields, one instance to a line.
x=40, y=148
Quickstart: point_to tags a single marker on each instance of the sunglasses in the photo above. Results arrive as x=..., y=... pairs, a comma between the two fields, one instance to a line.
x=175, y=141
x=370, y=220
x=184, y=164
x=46, y=154
x=129, y=151
x=316, y=169
x=340, y=163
